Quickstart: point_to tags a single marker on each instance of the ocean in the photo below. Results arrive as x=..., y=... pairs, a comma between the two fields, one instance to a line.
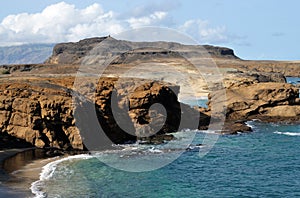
x=264, y=163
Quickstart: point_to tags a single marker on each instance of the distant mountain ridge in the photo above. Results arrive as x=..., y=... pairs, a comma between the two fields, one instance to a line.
x=25, y=54
x=72, y=52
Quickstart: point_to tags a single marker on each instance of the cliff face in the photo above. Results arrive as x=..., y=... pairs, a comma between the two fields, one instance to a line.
x=220, y=52
x=43, y=113
x=40, y=115
x=261, y=100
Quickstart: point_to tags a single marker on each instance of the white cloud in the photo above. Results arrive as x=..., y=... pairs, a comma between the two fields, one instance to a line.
x=58, y=22
x=64, y=22
x=148, y=9
x=153, y=19
x=204, y=33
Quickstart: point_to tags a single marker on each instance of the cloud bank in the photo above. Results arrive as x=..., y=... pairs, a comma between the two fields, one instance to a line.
x=63, y=22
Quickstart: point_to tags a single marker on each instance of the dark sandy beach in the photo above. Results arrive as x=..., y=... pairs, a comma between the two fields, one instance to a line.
x=19, y=168
x=6, y=157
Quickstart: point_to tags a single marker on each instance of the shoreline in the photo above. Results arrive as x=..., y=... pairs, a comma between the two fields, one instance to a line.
x=19, y=168
x=22, y=167
x=7, y=190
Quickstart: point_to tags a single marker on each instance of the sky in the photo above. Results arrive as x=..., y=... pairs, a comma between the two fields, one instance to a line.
x=256, y=29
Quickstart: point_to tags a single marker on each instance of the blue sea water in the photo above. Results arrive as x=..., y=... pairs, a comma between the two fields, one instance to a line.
x=293, y=80
x=202, y=102
x=264, y=163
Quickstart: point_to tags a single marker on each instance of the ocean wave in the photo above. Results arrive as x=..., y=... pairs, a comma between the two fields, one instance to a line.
x=287, y=133
x=48, y=171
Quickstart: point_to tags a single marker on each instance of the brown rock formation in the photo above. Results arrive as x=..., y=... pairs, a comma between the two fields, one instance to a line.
x=261, y=100
x=41, y=116
x=42, y=113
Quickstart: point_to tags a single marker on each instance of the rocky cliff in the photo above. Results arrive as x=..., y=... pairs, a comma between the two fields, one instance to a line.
x=43, y=113
x=40, y=115
x=266, y=101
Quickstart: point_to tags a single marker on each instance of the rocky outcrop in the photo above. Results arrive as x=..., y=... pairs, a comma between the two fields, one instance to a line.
x=260, y=100
x=269, y=77
x=41, y=116
x=236, y=79
x=220, y=52
x=43, y=113
x=286, y=68
x=248, y=100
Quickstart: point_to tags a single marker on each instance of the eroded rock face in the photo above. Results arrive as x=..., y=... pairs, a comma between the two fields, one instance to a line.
x=260, y=99
x=44, y=115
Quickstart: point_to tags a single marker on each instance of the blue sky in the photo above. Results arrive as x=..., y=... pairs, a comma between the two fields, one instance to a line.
x=256, y=29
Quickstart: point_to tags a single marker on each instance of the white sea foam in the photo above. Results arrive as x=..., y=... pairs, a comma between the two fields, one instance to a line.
x=251, y=123
x=193, y=98
x=287, y=133
x=48, y=171
x=154, y=150
x=184, y=131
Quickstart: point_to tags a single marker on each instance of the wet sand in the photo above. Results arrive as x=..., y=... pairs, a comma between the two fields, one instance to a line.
x=19, y=168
